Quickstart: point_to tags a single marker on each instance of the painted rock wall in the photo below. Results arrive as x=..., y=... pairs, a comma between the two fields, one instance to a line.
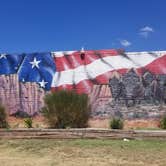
x=130, y=96
x=19, y=98
x=132, y=85
x=24, y=81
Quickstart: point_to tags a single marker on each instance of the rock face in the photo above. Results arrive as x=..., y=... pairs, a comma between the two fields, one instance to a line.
x=133, y=85
x=19, y=97
x=130, y=96
x=100, y=95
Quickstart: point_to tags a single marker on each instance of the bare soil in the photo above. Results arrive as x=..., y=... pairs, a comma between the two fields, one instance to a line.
x=39, y=122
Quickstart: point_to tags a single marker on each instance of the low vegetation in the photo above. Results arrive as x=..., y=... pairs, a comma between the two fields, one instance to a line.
x=51, y=152
x=28, y=122
x=3, y=117
x=116, y=123
x=163, y=123
x=66, y=109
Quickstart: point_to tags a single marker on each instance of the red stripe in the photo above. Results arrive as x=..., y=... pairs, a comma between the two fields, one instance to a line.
x=158, y=66
x=74, y=60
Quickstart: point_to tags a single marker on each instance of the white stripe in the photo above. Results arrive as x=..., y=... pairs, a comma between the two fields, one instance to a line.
x=101, y=66
x=61, y=53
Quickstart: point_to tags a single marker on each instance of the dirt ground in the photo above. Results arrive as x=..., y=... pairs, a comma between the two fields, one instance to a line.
x=82, y=153
x=39, y=122
x=128, y=124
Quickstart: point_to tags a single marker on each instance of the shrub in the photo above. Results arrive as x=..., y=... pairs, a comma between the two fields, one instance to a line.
x=116, y=123
x=66, y=109
x=28, y=122
x=163, y=123
x=3, y=117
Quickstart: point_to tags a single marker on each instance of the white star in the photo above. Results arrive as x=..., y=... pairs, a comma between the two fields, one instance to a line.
x=42, y=84
x=23, y=80
x=3, y=56
x=35, y=63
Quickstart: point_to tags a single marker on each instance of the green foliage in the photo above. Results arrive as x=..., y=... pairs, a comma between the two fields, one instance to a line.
x=163, y=123
x=116, y=123
x=28, y=122
x=3, y=117
x=66, y=109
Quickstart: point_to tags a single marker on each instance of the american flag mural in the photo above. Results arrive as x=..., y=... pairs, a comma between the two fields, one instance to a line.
x=36, y=67
x=23, y=76
x=80, y=70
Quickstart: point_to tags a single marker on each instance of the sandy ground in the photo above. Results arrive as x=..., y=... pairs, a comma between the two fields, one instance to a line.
x=128, y=124
x=39, y=122
x=82, y=153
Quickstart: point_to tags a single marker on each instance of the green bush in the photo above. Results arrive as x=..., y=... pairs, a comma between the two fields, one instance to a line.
x=3, y=117
x=28, y=122
x=116, y=123
x=66, y=109
x=163, y=123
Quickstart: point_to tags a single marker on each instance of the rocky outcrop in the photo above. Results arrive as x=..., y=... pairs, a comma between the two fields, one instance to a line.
x=20, y=97
x=100, y=96
x=104, y=106
x=130, y=96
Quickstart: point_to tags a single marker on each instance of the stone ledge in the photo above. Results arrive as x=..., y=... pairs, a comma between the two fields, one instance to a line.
x=83, y=133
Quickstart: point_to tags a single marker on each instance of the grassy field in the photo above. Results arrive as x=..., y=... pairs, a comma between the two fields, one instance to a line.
x=49, y=152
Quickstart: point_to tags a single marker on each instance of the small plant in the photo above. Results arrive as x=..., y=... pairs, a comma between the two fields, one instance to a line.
x=3, y=117
x=28, y=122
x=163, y=123
x=116, y=123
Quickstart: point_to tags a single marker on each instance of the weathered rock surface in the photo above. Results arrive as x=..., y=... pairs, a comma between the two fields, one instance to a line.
x=20, y=97
x=131, y=96
x=99, y=97
x=103, y=106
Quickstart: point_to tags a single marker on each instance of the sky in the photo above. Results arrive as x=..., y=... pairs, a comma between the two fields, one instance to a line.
x=57, y=25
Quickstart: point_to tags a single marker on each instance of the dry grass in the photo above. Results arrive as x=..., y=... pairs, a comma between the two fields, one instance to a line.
x=82, y=153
